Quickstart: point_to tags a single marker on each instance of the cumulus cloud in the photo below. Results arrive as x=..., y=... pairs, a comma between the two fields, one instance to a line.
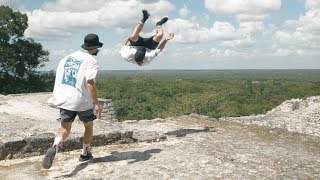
x=56, y=55
x=61, y=18
x=187, y=31
x=301, y=36
x=291, y=51
x=184, y=12
x=246, y=41
x=222, y=33
x=14, y=4
x=312, y=4
x=109, y=52
x=250, y=15
x=244, y=10
x=225, y=53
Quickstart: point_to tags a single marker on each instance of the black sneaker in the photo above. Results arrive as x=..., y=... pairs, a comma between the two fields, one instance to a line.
x=48, y=158
x=162, y=21
x=86, y=158
x=146, y=14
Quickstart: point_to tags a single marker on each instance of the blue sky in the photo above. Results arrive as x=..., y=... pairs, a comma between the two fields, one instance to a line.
x=209, y=34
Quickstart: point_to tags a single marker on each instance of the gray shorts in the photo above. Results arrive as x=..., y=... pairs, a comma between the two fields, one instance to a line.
x=69, y=116
x=145, y=42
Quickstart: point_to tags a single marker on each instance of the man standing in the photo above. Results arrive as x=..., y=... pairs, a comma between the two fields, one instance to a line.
x=75, y=94
x=142, y=51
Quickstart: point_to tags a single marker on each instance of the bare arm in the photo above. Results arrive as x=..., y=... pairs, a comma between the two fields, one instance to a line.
x=125, y=41
x=94, y=95
x=164, y=42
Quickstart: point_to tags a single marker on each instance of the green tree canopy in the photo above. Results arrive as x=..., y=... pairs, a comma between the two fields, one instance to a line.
x=19, y=56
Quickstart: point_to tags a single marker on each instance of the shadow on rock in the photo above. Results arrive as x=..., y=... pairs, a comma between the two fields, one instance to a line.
x=184, y=132
x=115, y=156
x=79, y=168
x=120, y=156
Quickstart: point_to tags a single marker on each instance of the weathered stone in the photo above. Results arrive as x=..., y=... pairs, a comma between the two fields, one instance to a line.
x=148, y=136
x=39, y=143
x=197, y=147
x=72, y=144
x=107, y=109
x=126, y=134
x=11, y=147
x=113, y=136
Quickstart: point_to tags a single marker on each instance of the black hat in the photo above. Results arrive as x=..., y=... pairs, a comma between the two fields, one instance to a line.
x=140, y=54
x=91, y=41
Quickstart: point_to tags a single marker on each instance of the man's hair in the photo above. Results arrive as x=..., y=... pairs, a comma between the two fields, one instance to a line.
x=140, y=54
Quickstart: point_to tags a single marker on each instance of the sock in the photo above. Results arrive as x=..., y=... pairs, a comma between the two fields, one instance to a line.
x=57, y=142
x=85, y=149
x=141, y=23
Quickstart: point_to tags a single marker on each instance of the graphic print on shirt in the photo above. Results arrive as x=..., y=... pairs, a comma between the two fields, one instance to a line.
x=71, y=68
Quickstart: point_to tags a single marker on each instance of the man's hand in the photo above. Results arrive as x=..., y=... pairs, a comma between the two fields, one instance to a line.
x=171, y=35
x=97, y=109
x=124, y=42
x=164, y=42
x=93, y=93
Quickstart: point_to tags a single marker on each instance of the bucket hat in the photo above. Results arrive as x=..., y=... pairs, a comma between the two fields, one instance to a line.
x=91, y=41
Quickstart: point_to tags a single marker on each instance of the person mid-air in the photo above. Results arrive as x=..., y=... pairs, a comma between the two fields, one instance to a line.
x=140, y=50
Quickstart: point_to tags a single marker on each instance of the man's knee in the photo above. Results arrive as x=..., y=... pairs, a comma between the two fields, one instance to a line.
x=88, y=125
x=157, y=38
x=65, y=129
x=134, y=38
x=159, y=33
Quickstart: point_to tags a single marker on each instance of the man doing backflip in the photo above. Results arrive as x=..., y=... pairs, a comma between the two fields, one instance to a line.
x=141, y=50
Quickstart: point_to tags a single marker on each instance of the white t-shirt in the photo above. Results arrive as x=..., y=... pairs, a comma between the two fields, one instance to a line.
x=70, y=88
x=128, y=52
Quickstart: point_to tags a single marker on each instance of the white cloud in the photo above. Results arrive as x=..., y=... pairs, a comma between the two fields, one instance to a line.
x=72, y=6
x=190, y=31
x=57, y=55
x=251, y=27
x=302, y=36
x=250, y=15
x=107, y=53
x=246, y=41
x=299, y=37
x=13, y=4
x=290, y=24
x=222, y=33
x=187, y=31
x=283, y=52
x=207, y=17
x=310, y=22
x=312, y=4
x=60, y=19
x=244, y=10
x=224, y=53
x=184, y=12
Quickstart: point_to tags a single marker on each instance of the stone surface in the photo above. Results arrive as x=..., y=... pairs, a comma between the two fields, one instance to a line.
x=282, y=144
x=295, y=115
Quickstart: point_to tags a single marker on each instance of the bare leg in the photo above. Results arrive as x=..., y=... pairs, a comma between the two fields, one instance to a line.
x=135, y=34
x=159, y=35
x=64, y=130
x=138, y=28
x=62, y=134
x=88, y=132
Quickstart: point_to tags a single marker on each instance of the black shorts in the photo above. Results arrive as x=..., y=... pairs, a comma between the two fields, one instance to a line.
x=145, y=42
x=69, y=116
